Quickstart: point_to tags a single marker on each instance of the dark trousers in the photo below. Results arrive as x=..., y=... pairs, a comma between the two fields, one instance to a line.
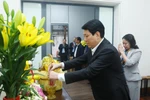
x=63, y=57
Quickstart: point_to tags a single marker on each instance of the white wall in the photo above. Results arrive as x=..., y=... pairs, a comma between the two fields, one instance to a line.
x=133, y=16
x=12, y=5
x=106, y=17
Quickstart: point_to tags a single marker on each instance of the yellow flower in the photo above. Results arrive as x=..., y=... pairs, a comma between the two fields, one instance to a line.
x=30, y=82
x=36, y=77
x=1, y=21
x=42, y=30
x=31, y=79
x=5, y=38
x=27, y=67
x=44, y=38
x=83, y=43
x=28, y=34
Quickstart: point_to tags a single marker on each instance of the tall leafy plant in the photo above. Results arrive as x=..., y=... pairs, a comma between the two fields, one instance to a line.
x=19, y=41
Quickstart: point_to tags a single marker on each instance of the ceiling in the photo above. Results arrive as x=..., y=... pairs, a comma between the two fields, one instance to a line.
x=86, y=2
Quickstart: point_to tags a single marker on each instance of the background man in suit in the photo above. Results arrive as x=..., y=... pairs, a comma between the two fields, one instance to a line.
x=79, y=51
x=72, y=47
x=63, y=51
x=104, y=70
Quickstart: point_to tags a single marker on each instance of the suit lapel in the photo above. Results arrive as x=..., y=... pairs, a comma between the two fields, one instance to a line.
x=98, y=50
x=129, y=53
x=89, y=56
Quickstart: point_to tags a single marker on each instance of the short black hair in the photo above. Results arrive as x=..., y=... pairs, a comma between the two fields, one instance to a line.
x=78, y=38
x=93, y=26
x=130, y=38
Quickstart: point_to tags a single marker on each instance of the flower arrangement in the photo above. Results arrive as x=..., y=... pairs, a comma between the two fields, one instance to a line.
x=35, y=92
x=19, y=41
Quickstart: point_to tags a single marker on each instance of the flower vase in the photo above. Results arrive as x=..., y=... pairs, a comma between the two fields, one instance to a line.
x=17, y=98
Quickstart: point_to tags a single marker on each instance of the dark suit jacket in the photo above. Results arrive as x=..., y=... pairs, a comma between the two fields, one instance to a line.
x=80, y=50
x=61, y=46
x=71, y=47
x=104, y=71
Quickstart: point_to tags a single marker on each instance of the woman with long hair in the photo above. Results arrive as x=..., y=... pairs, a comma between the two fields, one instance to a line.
x=130, y=57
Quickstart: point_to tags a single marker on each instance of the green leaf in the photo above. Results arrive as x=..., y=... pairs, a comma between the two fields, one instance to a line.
x=5, y=64
x=25, y=74
x=12, y=89
x=20, y=69
x=1, y=20
x=25, y=51
x=4, y=70
x=31, y=55
x=1, y=79
x=35, y=92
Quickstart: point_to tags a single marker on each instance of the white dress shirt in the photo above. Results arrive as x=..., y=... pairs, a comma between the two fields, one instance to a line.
x=61, y=77
x=94, y=49
x=75, y=52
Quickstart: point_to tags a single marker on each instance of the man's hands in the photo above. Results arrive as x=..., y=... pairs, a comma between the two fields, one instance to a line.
x=55, y=66
x=51, y=74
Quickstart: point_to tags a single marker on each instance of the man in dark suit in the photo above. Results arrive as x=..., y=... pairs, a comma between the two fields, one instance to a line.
x=104, y=70
x=79, y=51
x=63, y=51
x=72, y=47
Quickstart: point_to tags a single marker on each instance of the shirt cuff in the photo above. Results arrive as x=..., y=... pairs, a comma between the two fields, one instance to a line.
x=61, y=77
x=63, y=65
